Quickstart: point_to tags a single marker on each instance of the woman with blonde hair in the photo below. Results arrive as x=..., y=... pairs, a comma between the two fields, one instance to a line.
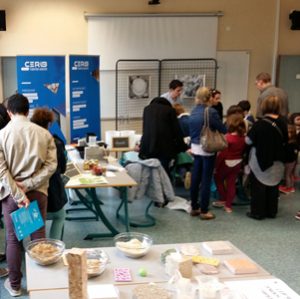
x=203, y=161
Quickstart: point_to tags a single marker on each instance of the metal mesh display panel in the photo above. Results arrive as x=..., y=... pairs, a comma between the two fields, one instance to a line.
x=137, y=83
x=193, y=73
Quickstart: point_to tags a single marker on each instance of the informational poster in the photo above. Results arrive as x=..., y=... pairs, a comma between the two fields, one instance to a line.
x=84, y=96
x=42, y=80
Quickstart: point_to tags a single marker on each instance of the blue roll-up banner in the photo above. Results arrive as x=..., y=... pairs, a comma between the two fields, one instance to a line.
x=84, y=96
x=42, y=80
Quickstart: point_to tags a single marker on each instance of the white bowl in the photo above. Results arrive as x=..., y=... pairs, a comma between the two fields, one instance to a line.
x=97, y=260
x=45, y=251
x=133, y=244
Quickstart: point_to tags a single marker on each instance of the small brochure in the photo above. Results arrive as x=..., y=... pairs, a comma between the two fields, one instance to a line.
x=86, y=179
x=27, y=220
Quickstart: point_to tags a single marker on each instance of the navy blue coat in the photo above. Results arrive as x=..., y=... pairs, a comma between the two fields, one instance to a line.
x=184, y=122
x=57, y=197
x=197, y=122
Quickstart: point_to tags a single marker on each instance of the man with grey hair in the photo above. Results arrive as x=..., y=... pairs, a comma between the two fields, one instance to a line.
x=266, y=88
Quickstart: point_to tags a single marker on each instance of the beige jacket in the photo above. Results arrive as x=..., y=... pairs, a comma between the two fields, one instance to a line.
x=27, y=154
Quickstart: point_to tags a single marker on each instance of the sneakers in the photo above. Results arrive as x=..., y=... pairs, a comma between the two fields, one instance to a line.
x=195, y=213
x=161, y=204
x=218, y=204
x=10, y=290
x=207, y=216
x=203, y=216
x=286, y=190
x=3, y=272
x=228, y=210
x=187, y=180
x=297, y=216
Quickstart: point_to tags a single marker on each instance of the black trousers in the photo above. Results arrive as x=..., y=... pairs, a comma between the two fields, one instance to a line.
x=264, y=199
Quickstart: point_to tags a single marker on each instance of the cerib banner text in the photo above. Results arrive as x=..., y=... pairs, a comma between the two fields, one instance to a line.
x=84, y=96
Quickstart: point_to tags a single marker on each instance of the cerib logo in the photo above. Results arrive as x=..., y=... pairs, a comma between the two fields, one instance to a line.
x=80, y=65
x=34, y=66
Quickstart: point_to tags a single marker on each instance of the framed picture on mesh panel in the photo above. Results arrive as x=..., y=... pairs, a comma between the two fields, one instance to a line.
x=191, y=83
x=120, y=142
x=138, y=87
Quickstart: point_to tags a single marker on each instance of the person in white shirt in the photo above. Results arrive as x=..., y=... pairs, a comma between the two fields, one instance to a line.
x=174, y=93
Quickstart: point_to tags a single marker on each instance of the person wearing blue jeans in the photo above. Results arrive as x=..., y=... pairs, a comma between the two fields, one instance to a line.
x=202, y=173
x=204, y=162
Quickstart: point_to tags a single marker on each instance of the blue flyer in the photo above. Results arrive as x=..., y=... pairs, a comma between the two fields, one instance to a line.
x=27, y=220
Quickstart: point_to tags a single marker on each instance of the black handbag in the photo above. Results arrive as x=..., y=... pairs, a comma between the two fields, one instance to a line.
x=211, y=141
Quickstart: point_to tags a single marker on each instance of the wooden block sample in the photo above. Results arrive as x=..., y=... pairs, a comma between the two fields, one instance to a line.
x=183, y=264
x=185, y=267
x=77, y=274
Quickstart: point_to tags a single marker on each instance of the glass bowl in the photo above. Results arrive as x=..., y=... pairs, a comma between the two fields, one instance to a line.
x=45, y=251
x=97, y=260
x=132, y=244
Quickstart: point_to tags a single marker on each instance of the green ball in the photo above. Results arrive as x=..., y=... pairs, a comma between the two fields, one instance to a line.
x=143, y=272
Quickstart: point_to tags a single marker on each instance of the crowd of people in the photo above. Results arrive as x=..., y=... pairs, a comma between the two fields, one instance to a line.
x=263, y=149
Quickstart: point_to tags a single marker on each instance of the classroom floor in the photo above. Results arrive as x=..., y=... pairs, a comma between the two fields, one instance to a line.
x=273, y=243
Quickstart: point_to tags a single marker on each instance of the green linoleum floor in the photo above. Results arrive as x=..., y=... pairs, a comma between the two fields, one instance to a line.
x=273, y=243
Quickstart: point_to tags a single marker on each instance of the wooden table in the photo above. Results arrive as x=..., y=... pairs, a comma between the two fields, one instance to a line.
x=54, y=278
x=121, y=181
